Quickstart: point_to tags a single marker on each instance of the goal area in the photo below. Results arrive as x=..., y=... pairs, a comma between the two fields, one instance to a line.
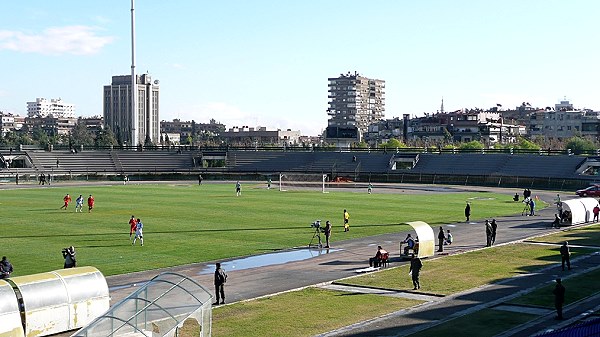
x=302, y=182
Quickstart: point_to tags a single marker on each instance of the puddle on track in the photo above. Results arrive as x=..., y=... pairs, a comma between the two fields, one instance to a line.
x=269, y=259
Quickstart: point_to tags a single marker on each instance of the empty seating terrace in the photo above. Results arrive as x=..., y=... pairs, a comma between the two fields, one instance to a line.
x=314, y=162
x=118, y=162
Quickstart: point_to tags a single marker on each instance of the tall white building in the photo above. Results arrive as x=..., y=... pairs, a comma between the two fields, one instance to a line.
x=55, y=107
x=355, y=102
x=117, y=109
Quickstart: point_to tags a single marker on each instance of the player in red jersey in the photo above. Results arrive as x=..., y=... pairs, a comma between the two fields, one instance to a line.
x=67, y=200
x=132, y=226
x=90, y=203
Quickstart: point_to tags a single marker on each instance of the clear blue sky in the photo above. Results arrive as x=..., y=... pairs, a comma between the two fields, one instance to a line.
x=267, y=62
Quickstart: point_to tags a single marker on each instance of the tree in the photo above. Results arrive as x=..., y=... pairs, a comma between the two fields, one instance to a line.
x=472, y=145
x=579, y=145
x=106, y=138
x=524, y=144
x=392, y=143
x=80, y=135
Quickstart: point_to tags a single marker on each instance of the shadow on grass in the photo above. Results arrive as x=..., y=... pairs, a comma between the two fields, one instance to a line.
x=216, y=230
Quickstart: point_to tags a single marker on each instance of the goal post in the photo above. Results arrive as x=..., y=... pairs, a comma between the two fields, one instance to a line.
x=302, y=181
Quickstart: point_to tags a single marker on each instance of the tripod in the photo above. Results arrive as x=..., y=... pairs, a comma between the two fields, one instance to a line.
x=526, y=209
x=317, y=235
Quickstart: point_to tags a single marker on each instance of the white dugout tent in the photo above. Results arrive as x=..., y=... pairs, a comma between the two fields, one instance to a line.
x=581, y=210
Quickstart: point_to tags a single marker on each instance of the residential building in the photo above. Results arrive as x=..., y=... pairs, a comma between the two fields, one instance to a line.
x=54, y=107
x=355, y=103
x=7, y=122
x=51, y=125
x=260, y=136
x=93, y=123
x=465, y=126
x=563, y=124
x=117, y=109
x=191, y=128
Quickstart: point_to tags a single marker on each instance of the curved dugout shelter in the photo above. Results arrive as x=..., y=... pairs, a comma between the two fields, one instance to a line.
x=52, y=302
x=578, y=210
x=426, y=238
x=158, y=308
x=10, y=315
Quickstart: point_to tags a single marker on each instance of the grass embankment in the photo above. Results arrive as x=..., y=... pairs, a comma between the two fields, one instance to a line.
x=302, y=313
x=476, y=268
x=487, y=322
x=186, y=223
x=465, y=271
x=583, y=236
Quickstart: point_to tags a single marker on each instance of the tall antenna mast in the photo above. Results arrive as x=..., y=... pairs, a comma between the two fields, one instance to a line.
x=134, y=100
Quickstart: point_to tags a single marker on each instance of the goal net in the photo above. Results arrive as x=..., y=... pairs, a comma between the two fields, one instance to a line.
x=302, y=182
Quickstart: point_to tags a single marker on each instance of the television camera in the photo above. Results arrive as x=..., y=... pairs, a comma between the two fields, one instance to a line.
x=316, y=224
x=318, y=229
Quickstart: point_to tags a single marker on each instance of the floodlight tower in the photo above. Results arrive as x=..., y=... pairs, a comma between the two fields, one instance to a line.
x=134, y=102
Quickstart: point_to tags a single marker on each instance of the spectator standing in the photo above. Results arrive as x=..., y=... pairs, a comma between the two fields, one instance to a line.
x=6, y=268
x=468, y=211
x=69, y=255
x=79, y=204
x=139, y=227
x=238, y=188
x=494, y=230
x=441, y=239
x=346, y=221
x=415, y=268
x=559, y=298
x=220, y=279
x=132, y=226
x=327, y=231
x=596, y=212
x=531, y=207
x=488, y=233
x=66, y=200
x=90, y=202
x=565, y=255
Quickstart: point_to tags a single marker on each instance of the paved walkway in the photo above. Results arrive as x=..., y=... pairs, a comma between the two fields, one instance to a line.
x=346, y=256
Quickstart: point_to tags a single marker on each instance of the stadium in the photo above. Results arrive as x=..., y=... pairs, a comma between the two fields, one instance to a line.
x=262, y=235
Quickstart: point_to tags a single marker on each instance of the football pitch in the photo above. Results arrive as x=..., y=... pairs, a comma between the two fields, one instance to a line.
x=185, y=223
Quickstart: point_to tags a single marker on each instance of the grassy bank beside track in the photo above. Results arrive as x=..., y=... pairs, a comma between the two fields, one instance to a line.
x=458, y=273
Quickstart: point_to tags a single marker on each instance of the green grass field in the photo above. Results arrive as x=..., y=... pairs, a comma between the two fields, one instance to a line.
x=186, y=223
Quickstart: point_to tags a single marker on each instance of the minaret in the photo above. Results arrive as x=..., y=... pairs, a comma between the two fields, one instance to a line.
x=442, y=107
x=134, y=101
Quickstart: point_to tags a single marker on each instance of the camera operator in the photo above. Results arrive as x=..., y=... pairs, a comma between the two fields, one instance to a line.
x=6, y=268
x=69, y=255
x=327, y=231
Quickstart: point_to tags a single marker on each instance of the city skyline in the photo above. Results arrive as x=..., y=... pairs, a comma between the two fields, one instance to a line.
x=267, y=63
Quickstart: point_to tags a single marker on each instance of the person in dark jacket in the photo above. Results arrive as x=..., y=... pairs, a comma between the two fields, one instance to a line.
x=468, y=211
x=6, y=268
x=69, y=255
x=220, y=279
x=488, y=233
x=415, y=268
x=494, y=229
x=441, y=239
x=559, y=298
x=565, y=255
